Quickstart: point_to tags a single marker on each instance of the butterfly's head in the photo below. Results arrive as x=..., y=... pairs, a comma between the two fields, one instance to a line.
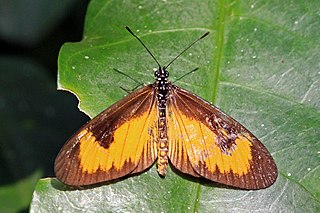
x=161, y=73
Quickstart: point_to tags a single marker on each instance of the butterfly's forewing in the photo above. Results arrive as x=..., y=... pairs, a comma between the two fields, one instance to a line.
x=119, y=141
x=214, y=145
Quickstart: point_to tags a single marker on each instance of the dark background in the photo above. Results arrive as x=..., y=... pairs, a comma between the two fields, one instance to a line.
x=35, y=118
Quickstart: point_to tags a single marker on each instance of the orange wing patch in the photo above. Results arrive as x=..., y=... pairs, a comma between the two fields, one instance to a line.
x=236, y=161
x=201, y=146
x=130, y=139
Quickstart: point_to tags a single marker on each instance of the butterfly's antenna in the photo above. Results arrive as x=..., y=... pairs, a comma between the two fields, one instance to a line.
x=143, y=45
x=178, y=79
x=128, y=91
x=204, y=35
x=122, y=73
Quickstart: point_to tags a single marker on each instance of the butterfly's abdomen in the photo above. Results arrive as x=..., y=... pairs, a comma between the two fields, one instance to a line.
x=162, y=144
x=162, y=86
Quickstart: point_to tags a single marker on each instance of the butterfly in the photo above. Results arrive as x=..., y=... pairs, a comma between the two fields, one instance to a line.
x=164, y=123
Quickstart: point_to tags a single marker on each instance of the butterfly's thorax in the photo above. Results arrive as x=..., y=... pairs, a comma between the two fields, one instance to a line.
x=162, y=88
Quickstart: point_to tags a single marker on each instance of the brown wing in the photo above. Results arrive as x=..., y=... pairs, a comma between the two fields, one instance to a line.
x=119, y=141
x=214, y=145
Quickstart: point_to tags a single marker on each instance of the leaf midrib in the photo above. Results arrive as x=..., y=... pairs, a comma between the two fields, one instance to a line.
x=215, y=71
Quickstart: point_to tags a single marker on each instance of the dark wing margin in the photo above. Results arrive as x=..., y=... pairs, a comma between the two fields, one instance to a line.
x=215, y=145
x=117, y=142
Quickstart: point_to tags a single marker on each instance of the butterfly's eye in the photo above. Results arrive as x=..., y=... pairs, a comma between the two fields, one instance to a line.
x=156, y=73
x=166, y=73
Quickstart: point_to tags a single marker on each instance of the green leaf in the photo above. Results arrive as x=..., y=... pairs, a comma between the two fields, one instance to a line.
x=260, y=64
x=16, y=197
